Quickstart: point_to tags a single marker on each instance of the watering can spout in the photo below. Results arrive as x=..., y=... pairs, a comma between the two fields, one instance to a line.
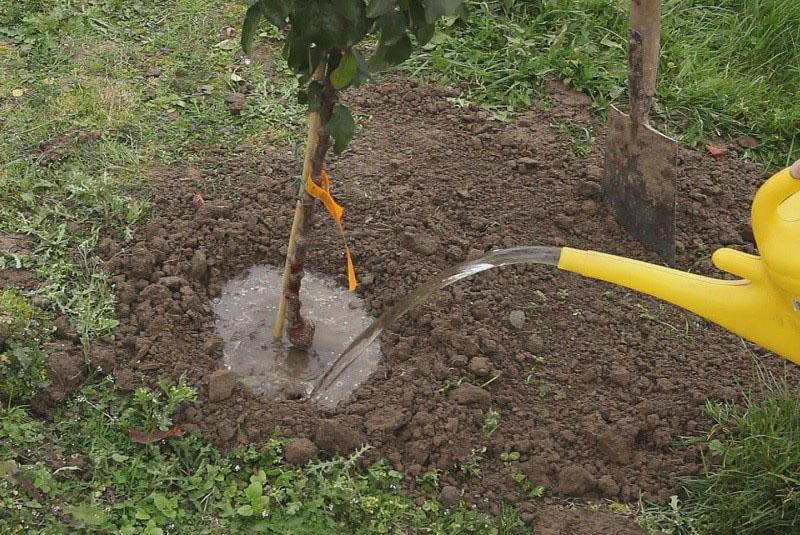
x=745, y=306
x=762, y=305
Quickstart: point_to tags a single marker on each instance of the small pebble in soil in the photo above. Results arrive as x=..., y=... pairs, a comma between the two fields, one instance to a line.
x=199, y=265
x=517, y=319
x=535, y=344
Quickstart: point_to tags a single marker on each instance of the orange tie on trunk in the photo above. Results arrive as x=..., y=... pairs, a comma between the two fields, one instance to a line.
x=323, y=193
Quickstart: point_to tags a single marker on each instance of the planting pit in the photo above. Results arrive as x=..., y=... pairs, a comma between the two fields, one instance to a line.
x=593, y=385
x=245, y=313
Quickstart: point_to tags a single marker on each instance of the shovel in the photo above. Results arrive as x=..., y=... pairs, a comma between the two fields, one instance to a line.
x=639, y=182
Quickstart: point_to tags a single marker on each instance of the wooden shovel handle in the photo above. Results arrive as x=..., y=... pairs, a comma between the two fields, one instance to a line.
x=644, y=42
x=646, y=19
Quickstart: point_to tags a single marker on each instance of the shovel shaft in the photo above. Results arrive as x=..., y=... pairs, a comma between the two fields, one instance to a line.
x=640, y=163
x=644, y=48
x=646, y=19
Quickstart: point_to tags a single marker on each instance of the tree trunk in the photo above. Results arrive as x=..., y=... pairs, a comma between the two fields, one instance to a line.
x=299, y=328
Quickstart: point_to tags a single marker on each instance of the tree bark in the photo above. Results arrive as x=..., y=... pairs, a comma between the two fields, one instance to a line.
x=300, y=329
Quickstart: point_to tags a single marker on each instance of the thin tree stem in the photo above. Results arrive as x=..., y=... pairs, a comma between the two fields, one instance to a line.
x=300, y=329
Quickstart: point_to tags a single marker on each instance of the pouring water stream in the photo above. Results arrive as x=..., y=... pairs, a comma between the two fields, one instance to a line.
x=497, y=258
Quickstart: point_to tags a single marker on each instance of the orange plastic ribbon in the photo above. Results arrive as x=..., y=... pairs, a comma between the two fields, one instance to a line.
x=323, y=193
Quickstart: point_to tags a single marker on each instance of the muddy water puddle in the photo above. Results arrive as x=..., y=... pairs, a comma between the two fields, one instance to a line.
x=244, y=316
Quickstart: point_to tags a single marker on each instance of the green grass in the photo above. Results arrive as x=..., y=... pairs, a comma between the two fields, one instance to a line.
x=729, y=67
x=753, y=486
x=85, y=122
x=23, y=329
x=92, y=477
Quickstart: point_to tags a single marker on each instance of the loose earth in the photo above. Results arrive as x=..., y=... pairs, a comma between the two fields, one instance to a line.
x=594, y=385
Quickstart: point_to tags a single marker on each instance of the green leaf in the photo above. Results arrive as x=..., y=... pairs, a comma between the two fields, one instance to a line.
x=8, y=468
x=319, y=23
x=356, y=22
x=438, y=8
x=141, y=514
x=259, y=477
x=276, y=11
x=250, y=26
x=245, y=510
x=313, y=96
x=253, y=490
x=341, y=127
x=227, y=44
x=393, y=27
x=343, y=75
x=152, y=529
x=376, y=8
x=86, y=515
x=424, y=32
x=716, y=447
x=400, y=51
x=363, y=70
x=295, y=50
x=388, y=55
x=165, y=506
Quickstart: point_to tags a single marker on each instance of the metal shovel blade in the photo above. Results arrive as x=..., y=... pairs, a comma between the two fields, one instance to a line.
x=639, y=182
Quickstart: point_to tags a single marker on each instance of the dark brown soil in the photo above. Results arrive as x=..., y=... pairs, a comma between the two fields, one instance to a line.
x=18, y=245
x=426, y=185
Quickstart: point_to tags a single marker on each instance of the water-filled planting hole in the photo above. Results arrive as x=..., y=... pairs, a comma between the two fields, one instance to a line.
x=244, y=318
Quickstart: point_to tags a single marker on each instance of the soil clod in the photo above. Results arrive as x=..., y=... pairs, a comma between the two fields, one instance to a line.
x=389, y=419
x=236, y=102
x=574, y=480
x=66, y=369
x=480, y=366
x=422, y=243
x=449, y=495
x=220, y=385
x=300, y=451
x=102, y=358
x=469, y=394
x=64, y=329
x=337, y=437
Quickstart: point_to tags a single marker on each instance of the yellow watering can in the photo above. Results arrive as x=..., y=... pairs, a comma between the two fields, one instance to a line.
x=763, y=305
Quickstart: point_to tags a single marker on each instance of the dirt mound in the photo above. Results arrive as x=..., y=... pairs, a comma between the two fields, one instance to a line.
x=593, y=384
x=558, y=521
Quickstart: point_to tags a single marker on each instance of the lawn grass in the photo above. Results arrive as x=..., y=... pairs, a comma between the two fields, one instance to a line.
x=90, y=476
x=753, y=485
x=728, y=68
x=93, y=96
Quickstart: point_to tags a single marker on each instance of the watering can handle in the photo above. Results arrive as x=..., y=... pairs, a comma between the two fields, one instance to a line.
x=767, y=200
x=743, y=265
